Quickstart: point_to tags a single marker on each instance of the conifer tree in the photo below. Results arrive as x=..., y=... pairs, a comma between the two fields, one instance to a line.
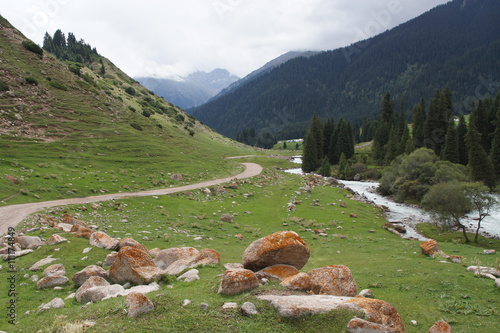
x=316, y=128
x=328, y=130
x=480, y=166
x=325, y=169
x=310, y=153
x=463, y=153
x=495, y=148
x=450, y=150
x=436, y=122
x=419, y=124
x=392, y=147
x=387, y=120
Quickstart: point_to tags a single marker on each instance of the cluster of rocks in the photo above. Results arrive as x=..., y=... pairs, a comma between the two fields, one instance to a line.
x=130, y=264
x=431, y=248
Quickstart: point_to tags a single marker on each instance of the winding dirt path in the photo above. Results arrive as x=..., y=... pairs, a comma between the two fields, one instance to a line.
x=11, y=216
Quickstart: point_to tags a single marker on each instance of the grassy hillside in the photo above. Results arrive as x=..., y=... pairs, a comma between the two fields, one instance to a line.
x=64, y=134
x=421, y=288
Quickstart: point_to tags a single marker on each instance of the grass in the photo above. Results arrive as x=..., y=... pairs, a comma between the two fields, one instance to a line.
x=421, y=288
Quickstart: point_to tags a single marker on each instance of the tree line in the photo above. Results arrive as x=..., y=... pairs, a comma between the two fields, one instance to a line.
x=69, y=49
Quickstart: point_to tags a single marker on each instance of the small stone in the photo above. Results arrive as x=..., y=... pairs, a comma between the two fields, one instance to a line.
x=189, y=276
x=186, y=302
x=366, y=293
x=86, y=250
x=229, y=306
x=249, y=309
x=34, y=278
x=414, y=322
x=204, y=306
x=489, y=251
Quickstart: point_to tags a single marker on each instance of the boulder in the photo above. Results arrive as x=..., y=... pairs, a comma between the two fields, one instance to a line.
x=284, y=247
x=104, y=241
x=56, y=303
x=300, y=281
x=358, y=325
x=379, y=312
x=334, y=280
x=249, y=309
x=490, y=252
x=203, y=258
x=51, y=281
x=93, y=281
x=177, y=177
x=29, y=242
x=230, y=266
x=80, y=277
x=429, y=247
x=99, y=293
x=238, y=281
x=167, y=257
x=39, y=264
x=56, y=239
x=440, y=327
x=135, y=266
x=132, y=243
x=154, y=252
x=55, y=270
x=488, y=272
x=110, y=258
x=189, y=276
x=66, y=227
x=226, y=218
x=297, y=306
x=277, y=272
x=138, y=304
x=81, y=232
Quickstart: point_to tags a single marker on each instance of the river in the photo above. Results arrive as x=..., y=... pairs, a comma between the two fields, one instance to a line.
x=409, y=215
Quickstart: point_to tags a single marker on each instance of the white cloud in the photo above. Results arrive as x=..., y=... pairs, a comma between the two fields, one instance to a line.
x=168, y=37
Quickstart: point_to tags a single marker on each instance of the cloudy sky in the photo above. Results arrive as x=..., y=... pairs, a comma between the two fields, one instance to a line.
x=166, y=38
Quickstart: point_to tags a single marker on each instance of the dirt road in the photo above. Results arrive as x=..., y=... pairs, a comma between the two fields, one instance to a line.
x=11, y=216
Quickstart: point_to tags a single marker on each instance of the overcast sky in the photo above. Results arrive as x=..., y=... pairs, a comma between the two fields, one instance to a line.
x=165, y=38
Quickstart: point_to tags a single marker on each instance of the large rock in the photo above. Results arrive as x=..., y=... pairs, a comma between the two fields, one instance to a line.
x=56, y=239
x=135, y=266
x=138, y=304
x=168, y=256
x=66, y=227
x=429, y=247
x=29, y=242
x=334, y=280
x=189, y=276
x=238, y=281
x=68, y=219
x=80, y=277
x=203, y=258
x=301, y=282
x=39, y=264
x=440, y=327
x=104, y=241
x=379, y=316
x=278, y=272
x=55, y=270
x=51, y=281
x=93, y=281
x=99, y=293
x=110, y=259
x=81, y=232
x=284, y=247
x=132, y=243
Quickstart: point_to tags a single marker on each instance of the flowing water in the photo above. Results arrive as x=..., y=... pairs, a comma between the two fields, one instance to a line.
x=409, y=215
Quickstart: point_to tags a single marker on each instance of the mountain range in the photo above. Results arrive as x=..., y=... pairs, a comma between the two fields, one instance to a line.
x=456, y=44
x=191, y=90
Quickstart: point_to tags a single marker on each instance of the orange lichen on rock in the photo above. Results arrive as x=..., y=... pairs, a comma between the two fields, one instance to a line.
x=279, y=272
x=133, y=265
x=440, y=327
x=379, y=312
x=284, y=247
x=334, y=280
x=300, y=281
x=429, y=247
x=238, y=281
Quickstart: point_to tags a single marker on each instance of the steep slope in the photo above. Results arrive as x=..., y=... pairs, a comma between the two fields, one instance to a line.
x=68, y=129
x=456, y=44
x=191, y=91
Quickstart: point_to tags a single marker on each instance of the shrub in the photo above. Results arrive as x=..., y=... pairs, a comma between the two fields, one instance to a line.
x=3, y=86
x=75, y=69
x=179, y=117
x=146, y=113
x=31, y=46
x=131, y=91
x=136, y=126
x=58, y=85
x=131, y=108
x=31, y=80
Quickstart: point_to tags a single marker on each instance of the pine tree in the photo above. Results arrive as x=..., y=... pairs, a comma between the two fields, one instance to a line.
x=436, y=122
x=325, y=169
x=284, y=144
x=495, y=148
x=419, y=124
x=327, y=133
x=480, y=166
x=463, y=153
x=387, y=120
x=344, y=167
x=317, y=129
x=392, y=146
x=450, y=150
x=310, y=154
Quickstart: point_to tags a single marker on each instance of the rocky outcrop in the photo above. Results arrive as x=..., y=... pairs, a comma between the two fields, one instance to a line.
x=135, y=266
x=138, y=304
x=104, y=241
x=284, y=247
x=238, y=281
x=334, y=280
x=80, y=277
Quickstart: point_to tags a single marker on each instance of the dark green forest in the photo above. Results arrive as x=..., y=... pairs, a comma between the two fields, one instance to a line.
x=454, y=45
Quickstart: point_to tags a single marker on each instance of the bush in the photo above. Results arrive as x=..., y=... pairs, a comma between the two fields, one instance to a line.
x=75, y=69
x=179, y=117
x=58, y=85
x=3, y=86
x=136, y=126
x=146, y=113
x=31, y=80
x=131, y=91
x=31, y=46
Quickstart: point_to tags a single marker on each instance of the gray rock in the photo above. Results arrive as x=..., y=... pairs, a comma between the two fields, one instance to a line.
x=249, y=309
x=39, y=264
x=103, y=241
x=229, y=306
x=138, y=304
x=51, y=281
x=204, y=306
x=30, y=242
x=189, y=276
x=80, y=277
x=55, y=270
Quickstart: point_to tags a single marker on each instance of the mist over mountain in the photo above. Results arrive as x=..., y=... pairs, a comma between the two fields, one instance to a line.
x=455, y=45
x=192, y=90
